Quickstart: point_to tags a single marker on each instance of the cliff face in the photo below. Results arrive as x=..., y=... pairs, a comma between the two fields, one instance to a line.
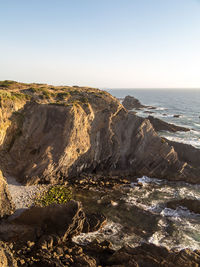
x=6, y=204
x=60, y=132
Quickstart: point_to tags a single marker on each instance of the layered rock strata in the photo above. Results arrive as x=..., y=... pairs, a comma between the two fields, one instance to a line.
x=76, y=130
x=160, y=125
x=131, y=102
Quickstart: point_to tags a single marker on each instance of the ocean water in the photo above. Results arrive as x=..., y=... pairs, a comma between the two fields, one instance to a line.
x=169, y=102
x=138, y=214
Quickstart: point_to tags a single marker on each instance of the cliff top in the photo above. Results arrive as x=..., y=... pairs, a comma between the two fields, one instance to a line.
x=49, y=94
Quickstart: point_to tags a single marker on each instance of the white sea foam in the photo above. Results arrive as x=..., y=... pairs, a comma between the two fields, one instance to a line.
x=146, y=180
x=111, y=231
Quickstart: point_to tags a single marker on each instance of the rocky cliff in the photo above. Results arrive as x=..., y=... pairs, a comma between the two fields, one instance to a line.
x=6, y=204
x=52, y=133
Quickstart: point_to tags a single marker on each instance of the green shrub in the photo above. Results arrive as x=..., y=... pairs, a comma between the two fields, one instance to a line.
x=58, y=194
x=62, y=96
x=6, y=83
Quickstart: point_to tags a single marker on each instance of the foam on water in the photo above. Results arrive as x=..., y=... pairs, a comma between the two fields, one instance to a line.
x=142, y=216
x=185, y=225
x=111, y=231
x=178, y=228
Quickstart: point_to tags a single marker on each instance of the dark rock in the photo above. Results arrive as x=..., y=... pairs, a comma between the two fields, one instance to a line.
x=149, y=255
x=150, y=107
x=149, y=112
x=191, y=204
x=93, y=222
x=176, y=116
x=160, y=125
x=186, y=153
x=62, y=220
x=131, y=102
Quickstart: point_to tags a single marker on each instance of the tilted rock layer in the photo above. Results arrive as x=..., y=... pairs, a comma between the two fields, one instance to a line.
x=53, y=133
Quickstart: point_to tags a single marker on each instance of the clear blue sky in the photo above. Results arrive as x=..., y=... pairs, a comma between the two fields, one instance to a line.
x=101, y=43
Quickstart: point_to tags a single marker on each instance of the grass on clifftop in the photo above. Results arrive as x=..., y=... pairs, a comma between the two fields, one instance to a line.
x=57, y=194
x=49, y=94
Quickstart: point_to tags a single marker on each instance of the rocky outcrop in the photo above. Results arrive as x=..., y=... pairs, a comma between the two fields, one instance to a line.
x=160, y=125
x=190, y=204
x=186, y=153
x=6, y=205
x=61, y=220
x=131, y=102
x=151, y=255
x=6, y=256
x=42, y=237
x=86, y=130
x=45, y=219
x=101, y=254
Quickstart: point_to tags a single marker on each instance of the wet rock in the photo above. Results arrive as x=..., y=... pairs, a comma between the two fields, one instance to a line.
x=191, y=204
x=160, y=125
x=131, y=102
x=177, y=116
x=94, y=222
x=149, y=112
x=153, y=256
x=7, y=207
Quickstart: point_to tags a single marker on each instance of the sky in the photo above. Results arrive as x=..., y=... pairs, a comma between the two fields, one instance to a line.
x=101, y=43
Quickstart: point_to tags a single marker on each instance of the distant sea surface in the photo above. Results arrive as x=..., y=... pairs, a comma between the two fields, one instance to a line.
x=170, y=102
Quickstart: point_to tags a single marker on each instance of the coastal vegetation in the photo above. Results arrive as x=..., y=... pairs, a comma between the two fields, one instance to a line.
x=57, y=194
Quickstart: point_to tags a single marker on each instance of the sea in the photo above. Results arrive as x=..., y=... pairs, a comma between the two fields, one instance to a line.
x=138, y=214
x=170, y=102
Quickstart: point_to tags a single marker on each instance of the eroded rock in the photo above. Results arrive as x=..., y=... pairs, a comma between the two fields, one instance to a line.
x=192, y=205
x=91, y=132
x=6, y=205
x=131, y=102
x=160, y=125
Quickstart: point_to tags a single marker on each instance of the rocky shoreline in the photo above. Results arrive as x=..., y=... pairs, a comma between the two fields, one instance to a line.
x=82, y=138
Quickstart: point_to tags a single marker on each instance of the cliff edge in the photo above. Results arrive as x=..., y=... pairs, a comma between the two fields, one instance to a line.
x=51, y=133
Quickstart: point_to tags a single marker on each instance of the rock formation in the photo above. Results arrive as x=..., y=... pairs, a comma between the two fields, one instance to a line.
x=190, y=204
x=131, y=102
x=6, y=204
x=50, y=243
x=59, y=132
x=186, y=153
x=160, y=125
x=6, y=256
x=65, y=134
